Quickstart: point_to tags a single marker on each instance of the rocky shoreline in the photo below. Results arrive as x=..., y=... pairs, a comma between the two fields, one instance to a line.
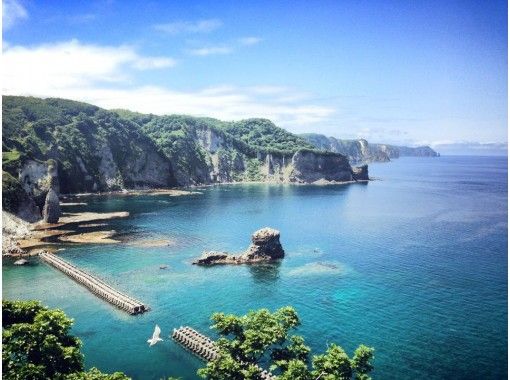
x=173, y=192
x=21, y=238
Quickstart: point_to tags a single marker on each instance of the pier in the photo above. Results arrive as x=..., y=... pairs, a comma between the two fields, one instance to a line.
x=203, y=347
x=95, y=285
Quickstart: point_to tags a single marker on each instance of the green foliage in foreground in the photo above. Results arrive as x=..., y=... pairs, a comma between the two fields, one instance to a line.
x=262, y=338
x=36, y=345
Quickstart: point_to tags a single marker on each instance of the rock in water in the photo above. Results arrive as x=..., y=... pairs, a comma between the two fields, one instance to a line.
x=214, y=258
x=265, y=247
x=51, y=210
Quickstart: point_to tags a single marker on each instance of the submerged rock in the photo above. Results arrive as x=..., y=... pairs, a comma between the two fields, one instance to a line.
x=21, y=262
x=265, y=246
x=214, y=257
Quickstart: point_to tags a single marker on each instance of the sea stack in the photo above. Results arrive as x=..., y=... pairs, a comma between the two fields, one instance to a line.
x=51, y=210
x=265, y=247
x=360, y=173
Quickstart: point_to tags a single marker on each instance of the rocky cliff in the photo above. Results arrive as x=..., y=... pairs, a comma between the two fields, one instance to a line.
x=420, y=151
x=97, y=150
x=360, y=151
x=357, y=151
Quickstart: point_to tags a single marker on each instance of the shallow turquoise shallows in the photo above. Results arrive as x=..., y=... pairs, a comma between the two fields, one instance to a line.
x=413, y=264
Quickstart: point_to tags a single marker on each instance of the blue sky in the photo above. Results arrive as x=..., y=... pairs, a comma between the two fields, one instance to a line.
x=409, y=72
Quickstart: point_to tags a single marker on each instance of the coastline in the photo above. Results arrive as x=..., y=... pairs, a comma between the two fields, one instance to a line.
x=192, y=189
x=24, y=239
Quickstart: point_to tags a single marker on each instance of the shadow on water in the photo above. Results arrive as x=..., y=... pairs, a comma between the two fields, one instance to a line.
x=265, y=273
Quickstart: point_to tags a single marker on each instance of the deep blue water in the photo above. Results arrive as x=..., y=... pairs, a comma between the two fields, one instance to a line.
x=413, y=263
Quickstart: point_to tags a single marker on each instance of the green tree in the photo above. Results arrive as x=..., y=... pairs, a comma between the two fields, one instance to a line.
x=264, y=339
x=36, y=344
x=95, y=374
x=362, y=362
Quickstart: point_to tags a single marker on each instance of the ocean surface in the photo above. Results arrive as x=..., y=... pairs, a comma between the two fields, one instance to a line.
x=413, y=264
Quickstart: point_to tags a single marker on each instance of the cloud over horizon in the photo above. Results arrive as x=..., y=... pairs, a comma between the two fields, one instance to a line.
x=106, y=76
x=48, y=68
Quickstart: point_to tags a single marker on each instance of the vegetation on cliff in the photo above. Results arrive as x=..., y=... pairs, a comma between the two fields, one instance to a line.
x=79, y=135
x=263, y=135
x=262, y=338
x=360, y=151
x=12, y=192
x=99, y=150
x=73, y=134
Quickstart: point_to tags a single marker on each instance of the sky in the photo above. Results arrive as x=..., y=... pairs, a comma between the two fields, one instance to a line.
x=404, y=72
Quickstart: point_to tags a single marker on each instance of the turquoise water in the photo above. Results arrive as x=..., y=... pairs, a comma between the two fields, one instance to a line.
x=413, y=263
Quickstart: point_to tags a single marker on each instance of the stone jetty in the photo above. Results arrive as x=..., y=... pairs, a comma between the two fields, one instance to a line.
x=203, y=347
x=96, y=286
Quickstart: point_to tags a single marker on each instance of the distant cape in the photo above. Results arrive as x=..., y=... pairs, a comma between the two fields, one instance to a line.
x=361, y=151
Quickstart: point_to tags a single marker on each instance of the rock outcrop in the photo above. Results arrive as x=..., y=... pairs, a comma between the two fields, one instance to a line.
x=51, y=210
x=360, y=173
x=360, y=151
x=357, y=151
x=420, y=151
x=265, y=247
x=310, y=167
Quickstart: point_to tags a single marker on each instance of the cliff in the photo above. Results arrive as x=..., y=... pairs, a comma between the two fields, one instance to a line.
x=360, y=151
x=420, y=151
x=97, y=150
x=357, y=151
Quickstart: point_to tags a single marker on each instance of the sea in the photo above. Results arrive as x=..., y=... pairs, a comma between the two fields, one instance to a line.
x=413, y=263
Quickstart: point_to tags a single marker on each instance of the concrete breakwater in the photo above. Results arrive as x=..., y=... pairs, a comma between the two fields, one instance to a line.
x=96, y=286
x=203, y=347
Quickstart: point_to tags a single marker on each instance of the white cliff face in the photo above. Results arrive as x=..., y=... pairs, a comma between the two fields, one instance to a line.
x=109, y=174
x=311, y=167
x=275, y=168
x=34, y=178
x=209, y=140
x=363, y=147
x=220, y=161
x=148, y=169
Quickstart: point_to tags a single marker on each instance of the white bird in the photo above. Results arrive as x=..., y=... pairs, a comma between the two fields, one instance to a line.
x=155, y=337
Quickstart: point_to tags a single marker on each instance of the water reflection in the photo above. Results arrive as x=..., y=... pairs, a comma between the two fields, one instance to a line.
x=265, y=273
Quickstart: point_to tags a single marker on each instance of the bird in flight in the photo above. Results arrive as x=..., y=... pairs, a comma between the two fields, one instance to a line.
x=155, y=337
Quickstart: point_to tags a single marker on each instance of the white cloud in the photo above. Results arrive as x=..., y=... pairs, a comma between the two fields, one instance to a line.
x=12, y=12
x=212, y=50
x=178, y=27
x=225, y=48
x=153, y=63
x=449, y=147
x=249, y=40
x=222, y=103
x=53, y=67
x=104, y=76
